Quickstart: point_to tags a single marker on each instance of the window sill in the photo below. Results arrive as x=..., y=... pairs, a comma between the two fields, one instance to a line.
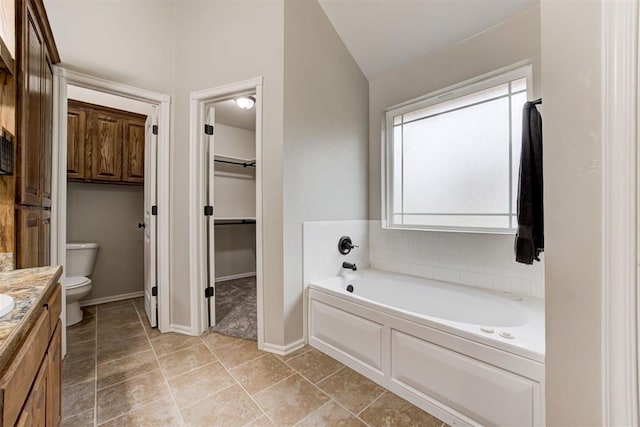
x=463, y=230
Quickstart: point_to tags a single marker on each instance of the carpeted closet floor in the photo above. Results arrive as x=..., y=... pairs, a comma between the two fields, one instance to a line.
x=236, y=308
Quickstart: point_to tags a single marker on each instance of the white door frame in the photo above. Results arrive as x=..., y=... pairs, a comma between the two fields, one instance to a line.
x=62, y=78
x=198, y=102
x=620, y=262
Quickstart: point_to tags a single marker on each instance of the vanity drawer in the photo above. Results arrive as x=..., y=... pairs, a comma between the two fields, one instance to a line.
x=54, y=305
x=17, y=380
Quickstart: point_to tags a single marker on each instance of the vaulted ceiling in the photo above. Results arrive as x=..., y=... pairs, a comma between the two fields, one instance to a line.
x=383, y=35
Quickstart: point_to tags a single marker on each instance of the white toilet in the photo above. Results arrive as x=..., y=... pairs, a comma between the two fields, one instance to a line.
x=81, y=257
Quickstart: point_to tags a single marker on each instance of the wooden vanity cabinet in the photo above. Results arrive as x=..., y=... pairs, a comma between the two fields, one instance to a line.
x=30, y=386
x=104, y=144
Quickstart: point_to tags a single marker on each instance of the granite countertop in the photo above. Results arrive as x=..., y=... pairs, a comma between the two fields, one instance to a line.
x=30, y=287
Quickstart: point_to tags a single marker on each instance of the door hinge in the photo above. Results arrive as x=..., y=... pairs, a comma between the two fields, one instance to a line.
x=209, y=292
x=154, y=291
x=208, y=210
x=154, y=210
x=154, y=129
x=208, y=129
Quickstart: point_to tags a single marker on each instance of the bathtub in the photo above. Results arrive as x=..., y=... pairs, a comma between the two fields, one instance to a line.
x=468, y=356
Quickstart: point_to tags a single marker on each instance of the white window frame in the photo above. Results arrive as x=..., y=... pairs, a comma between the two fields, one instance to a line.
x=503, y=75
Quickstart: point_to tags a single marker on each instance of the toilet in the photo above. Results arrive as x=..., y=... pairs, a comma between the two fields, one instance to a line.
x=81, y=258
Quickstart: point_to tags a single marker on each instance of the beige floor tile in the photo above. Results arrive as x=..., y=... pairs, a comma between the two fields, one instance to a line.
x=120, y=333
x=263, y=421
x=290, y=401
x=81, y=351
x=185, y=360
x=115, y=306
x=391, y=410
x=331, y=414
x=130, y=395
x=162, y=412
x=116, y=371
x=314, y=365
x=78, y=371
x=112, y=322
x=261, y=373
x=120, y=349
x=153, y=333
x=170, y=342
x=90, y=309
x=216, y=341
x=78, y=398
x=199, y=383
x=228, y=408
x=83, y=419
x=295, y=353
x=82, y=333
x=238, y=353
x=350, y=389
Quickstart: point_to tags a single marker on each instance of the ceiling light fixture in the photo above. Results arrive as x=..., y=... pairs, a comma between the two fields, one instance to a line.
x=246, y=102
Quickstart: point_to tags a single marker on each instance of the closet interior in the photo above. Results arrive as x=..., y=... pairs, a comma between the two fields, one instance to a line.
x=232, y=231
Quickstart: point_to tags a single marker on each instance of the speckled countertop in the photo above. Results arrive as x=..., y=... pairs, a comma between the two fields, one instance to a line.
x=30, y=288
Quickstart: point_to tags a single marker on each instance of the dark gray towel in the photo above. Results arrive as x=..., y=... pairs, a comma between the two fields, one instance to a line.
x=530, y=234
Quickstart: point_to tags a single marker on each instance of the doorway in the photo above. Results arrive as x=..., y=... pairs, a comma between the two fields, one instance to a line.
x=226, y=211
x=147, y=133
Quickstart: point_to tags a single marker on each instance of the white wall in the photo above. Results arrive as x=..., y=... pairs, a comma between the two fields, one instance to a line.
x=325, y=134
x=474, y=259
x=222, y=42
x=109, y=215
x=571, y=74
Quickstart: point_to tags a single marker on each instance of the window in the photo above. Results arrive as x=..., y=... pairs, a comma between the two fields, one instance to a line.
x=452, y=158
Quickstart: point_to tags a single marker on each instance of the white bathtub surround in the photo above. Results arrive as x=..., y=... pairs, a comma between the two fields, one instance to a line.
x=321, y=258
x=472, y=259
x=467, y=356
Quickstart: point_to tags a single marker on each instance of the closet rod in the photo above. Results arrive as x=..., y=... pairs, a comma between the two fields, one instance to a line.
x=244, y=165
x=234, y=222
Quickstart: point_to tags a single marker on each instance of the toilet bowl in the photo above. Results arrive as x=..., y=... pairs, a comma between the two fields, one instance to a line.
x=81, y=258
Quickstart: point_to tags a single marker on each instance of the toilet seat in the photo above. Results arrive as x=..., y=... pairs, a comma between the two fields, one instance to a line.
x=76, y=282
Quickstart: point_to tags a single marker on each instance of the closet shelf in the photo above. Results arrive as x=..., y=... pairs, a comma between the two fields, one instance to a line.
x=235, y=160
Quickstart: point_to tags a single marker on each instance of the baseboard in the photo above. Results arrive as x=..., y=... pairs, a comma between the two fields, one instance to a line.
x=235, y=276
x=283, y=350
x=113, y=298
x=180, y=329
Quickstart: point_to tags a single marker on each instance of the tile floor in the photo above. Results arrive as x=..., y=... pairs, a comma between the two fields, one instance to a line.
x=120, y=372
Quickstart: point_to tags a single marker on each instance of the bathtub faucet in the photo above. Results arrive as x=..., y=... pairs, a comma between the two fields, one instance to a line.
x=350, y=266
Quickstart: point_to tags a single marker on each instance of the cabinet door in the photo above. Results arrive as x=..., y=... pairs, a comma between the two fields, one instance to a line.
x=30, y=139
x=76, y=131
x=54, y=378
x=44, y=239
x=39, y=395
x=47, y=128
x=28, y=229
x=133, y=151
x=26, y=416
x=106, y=147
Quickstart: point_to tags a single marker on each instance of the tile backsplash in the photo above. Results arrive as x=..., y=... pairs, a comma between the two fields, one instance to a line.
x=479, y=260
x=321, y=258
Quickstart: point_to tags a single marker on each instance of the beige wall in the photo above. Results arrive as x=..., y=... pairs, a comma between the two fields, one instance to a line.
x=109, y=215
x=325, y=134
x=571, y=93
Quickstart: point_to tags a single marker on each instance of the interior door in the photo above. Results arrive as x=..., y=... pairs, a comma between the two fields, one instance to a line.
x=210, y=219
x=150, y=236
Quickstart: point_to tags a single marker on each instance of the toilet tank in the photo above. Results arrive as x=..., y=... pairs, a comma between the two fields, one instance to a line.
x=81, y=257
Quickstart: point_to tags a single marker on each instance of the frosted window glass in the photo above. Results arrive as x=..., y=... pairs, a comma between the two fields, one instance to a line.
x=483, y=95
x=457, y=162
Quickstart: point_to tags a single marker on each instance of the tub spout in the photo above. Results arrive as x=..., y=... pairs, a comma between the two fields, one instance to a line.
x=350, y=266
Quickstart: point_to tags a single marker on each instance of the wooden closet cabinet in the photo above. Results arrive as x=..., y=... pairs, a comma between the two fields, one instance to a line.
x=36, y=55
x=34, y=236
x=104, y=144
